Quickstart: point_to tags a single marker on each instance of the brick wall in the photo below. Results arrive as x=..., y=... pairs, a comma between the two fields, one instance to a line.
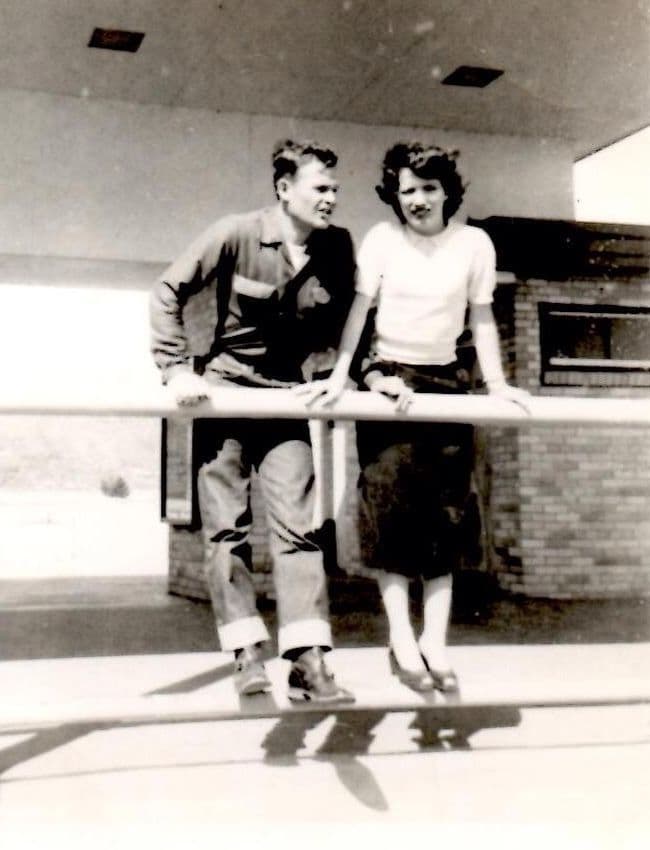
x=569, y=505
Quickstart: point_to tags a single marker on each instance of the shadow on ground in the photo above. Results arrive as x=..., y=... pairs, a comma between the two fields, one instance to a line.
x=482, y=614
x=87, y=617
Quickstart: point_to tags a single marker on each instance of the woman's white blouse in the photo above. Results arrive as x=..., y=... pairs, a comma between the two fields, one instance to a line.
x=422, y=286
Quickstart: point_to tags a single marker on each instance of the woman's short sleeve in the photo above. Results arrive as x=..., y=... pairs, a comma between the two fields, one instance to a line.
x=370, y=260
x=483, y=274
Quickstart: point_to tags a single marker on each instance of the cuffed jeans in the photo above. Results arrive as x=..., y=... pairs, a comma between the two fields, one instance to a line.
x=280, y=451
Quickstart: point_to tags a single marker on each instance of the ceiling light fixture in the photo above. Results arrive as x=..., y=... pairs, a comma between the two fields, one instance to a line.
x=115, y=39
x=472, y=77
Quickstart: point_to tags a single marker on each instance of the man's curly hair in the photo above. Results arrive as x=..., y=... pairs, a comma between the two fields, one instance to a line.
x=288, y=155
x=428, y=162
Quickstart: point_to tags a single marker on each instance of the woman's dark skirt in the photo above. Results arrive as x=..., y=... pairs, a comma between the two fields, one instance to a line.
x=414, y=483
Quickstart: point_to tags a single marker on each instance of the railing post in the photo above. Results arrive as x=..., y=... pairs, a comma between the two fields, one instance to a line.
x=340, y=468
x=324, y=508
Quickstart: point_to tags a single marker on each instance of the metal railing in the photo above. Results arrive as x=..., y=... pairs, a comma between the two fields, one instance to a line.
x=277, y=403
x=284, y=404
x=330, y=444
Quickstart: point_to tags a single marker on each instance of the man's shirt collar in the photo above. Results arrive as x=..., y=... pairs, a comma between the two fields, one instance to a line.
x=271, y=232
x=272, y=236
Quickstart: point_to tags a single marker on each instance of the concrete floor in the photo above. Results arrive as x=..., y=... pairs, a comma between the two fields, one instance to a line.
x=110, y=690
x=551, y=741
x=112, y=744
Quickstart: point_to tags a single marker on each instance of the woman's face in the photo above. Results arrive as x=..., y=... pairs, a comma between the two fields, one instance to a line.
x=421, y=200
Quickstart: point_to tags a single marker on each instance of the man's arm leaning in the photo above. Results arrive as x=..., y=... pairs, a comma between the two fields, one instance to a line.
x=195, y=269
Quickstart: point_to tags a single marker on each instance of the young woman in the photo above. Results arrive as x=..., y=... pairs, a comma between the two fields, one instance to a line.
x=421, y=270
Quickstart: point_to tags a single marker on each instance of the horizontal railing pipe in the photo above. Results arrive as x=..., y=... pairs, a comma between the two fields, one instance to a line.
x=265, y=403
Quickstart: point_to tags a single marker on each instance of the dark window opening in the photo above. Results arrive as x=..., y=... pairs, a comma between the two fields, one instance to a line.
x=606, y=341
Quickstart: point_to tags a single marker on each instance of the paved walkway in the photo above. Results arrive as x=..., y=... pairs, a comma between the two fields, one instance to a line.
x=73, y=533
x=550, y=744
x=110, y=692
x=132, y=741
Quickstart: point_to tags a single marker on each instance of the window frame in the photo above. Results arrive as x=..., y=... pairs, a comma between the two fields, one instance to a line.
x=554, y=368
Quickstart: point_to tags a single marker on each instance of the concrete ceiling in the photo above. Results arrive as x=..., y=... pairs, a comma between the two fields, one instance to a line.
x=574, y=69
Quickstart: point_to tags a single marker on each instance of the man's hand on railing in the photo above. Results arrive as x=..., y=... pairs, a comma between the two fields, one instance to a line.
x=393, y=387
x=188, y=389
x=321, y=393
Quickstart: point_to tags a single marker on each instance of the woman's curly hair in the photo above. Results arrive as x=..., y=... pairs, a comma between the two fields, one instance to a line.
x=428, y=162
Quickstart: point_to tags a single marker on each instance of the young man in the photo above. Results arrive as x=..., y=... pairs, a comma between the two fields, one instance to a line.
x=282, y=281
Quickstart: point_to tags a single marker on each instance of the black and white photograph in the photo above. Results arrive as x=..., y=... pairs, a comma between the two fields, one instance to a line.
x=325, y=424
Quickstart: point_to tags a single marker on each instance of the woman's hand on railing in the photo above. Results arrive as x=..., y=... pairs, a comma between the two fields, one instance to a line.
x=509, y=393
x=393, y=387
x=321, y=393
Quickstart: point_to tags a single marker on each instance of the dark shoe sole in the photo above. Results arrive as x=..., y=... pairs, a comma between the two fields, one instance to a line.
x=256, y=687
x=301, y=695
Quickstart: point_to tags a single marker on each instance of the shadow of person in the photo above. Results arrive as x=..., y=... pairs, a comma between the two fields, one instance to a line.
x=46, y=740
x=196, y=682
x=350, y=736
x=287, y=736
x=452, y=728
x=42, y=742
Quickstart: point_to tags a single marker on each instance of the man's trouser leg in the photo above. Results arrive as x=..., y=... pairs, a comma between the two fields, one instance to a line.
x=224, y=500
x=286, y=473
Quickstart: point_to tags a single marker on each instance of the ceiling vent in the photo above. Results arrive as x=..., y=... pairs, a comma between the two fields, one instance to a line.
x=116, y=40
x=467, y=75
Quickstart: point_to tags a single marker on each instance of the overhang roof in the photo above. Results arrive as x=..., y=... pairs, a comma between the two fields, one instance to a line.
x=573, y=69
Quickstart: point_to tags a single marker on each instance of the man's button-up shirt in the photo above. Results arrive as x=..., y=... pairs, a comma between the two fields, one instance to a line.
x=235, y=290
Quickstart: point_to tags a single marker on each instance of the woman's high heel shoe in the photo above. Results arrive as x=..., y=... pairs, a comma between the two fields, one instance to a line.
x=417, y=680
x=445, y=681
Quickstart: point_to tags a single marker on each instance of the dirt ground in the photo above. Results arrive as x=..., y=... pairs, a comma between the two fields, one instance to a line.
x=76, y=452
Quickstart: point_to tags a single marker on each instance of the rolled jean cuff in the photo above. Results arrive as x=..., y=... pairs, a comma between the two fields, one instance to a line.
x=240, y=633
x=312, y=632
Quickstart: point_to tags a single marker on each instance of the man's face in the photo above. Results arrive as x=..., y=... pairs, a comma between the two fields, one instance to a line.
x=421, y=200
x=309, y=196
